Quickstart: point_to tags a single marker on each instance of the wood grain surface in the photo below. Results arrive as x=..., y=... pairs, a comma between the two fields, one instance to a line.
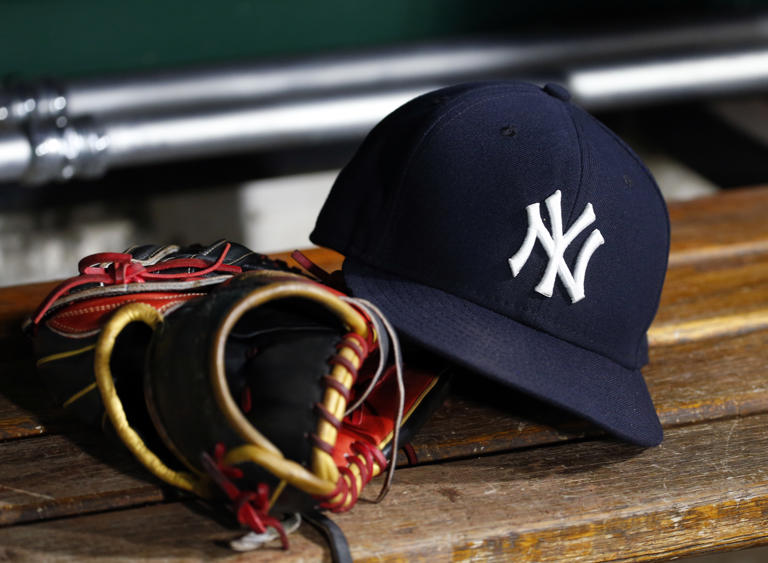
x=706, y=486
x=713, y=299
x=690, y=383
x=727, y=224
x=58, y=475
x=500, y=477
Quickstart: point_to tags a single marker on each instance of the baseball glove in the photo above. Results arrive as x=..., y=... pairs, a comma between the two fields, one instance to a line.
x=233, y=376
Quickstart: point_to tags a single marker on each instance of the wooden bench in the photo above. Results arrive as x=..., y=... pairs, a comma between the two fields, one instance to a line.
x=499, y=477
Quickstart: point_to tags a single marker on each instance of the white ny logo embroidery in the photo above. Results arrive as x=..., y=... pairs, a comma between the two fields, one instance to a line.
x=555, y=245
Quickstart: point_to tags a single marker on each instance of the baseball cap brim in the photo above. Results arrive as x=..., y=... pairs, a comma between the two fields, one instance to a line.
x=571, y=377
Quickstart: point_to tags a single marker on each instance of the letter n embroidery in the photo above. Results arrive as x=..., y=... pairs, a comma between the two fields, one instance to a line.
x=554, y=244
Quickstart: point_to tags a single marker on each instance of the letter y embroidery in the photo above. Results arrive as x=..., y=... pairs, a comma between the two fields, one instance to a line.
x=555, y=244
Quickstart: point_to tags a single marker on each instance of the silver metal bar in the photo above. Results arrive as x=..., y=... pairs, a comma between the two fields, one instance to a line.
x=182, y=136
x=665, y=80
x=443, y=63
x=15, y=155
x=86, y=148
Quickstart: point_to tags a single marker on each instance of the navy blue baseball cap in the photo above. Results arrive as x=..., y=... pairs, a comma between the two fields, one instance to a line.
x=500, y=225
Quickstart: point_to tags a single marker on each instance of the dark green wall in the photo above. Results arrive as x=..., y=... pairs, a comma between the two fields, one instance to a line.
x=78, y=37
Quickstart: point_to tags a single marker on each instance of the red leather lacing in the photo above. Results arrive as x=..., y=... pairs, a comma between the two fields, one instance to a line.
x=246, y=400
x=303, y=261
x=347, y=364
x=365, y=454
x=410, y=453
x=358, y=345
x=337, y=386
x=334, y=282
x=251, y=507
x=346, y=488
x=327, y=415
x=123, y=269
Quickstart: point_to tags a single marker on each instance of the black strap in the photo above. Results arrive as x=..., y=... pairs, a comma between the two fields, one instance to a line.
x=333, y=535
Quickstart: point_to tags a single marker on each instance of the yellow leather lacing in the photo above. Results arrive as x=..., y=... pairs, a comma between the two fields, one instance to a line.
x=134, y=312
x=324, y=475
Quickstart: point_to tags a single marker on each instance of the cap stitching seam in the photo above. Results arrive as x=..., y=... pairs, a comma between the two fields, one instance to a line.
x=580, y=142
x=540, y=306
x=450, y=114
x=659, y=197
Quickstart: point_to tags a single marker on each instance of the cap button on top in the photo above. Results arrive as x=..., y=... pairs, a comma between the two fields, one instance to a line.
x=557, y=91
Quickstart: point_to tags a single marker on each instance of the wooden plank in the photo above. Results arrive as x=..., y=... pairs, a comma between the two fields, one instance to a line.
x=329, y=260
x=25, y=409
x=690, y=383
x=712, y=387
x=707, y=380
x=24, y=405
x=163, y=532
x=706, y=487
x=725, y=296
x=730, y=223
x=16, y=302
x=54, y=476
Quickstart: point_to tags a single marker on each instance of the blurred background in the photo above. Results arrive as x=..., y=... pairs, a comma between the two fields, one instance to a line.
x=177, y=121
x=171, y=121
